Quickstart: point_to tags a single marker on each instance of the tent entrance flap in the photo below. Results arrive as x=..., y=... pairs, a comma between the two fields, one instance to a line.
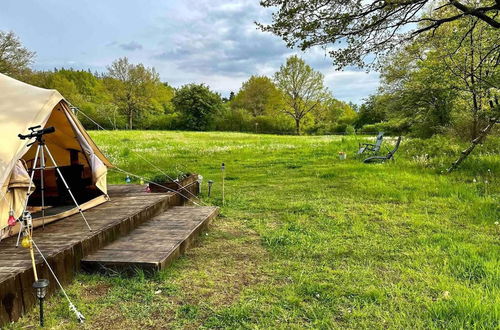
x=72, y=161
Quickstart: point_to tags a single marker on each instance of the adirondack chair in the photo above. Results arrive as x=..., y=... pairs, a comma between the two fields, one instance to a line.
x=371, y=147
x=381, y=159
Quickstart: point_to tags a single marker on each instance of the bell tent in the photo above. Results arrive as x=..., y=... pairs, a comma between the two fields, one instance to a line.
x=80, y=162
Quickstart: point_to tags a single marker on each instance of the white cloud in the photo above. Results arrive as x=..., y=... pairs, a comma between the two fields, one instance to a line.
x=215, y=41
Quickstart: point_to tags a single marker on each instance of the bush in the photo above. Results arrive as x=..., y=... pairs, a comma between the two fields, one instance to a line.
x=238, y=120
x=392, y=127
x=169, y=121
x=279, y=124
x=349, y=130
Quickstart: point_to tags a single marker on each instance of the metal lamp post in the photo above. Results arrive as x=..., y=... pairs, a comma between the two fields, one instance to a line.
x=40, y=287
x=210, y=183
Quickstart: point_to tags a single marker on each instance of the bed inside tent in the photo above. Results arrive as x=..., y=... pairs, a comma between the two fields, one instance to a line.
x=81, y=165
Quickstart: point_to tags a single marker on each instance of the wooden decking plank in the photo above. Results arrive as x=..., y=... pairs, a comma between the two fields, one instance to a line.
x=65, y=242
x=155, y=242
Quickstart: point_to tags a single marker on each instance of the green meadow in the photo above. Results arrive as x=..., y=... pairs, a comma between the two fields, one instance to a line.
x=306, y=240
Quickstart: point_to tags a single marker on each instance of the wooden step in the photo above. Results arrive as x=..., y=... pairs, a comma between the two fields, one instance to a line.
x=66, y=241
x=155, y=244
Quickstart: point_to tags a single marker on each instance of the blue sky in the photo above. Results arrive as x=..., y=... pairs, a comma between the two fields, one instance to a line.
x=214, y=42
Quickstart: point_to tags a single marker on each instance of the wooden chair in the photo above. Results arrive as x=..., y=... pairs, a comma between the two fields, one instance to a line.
x=381, y=159
x=374, y=148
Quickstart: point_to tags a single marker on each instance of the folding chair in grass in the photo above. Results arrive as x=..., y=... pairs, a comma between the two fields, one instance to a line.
x=371, y=147
x=381, y=159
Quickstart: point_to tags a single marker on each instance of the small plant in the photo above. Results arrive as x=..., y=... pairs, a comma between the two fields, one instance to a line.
x=422, y=160
x=162, y=178
x=483, y=182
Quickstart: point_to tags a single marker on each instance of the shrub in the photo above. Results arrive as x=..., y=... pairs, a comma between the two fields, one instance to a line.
x=349, y=130
x=238, y=120
x=392, y=127
x=169, y=121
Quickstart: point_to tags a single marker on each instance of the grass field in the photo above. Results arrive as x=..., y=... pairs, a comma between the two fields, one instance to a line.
x=308, y=240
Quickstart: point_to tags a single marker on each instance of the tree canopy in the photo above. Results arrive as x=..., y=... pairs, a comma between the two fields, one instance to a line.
x=259, y=96
x=15, y=59
x=133, y=88
x=198, y=104
x=359, y=29
x=302, y=87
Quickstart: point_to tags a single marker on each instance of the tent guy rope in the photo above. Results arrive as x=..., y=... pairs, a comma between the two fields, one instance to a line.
x=161, y=186
x=72, y=307
x=76, y=109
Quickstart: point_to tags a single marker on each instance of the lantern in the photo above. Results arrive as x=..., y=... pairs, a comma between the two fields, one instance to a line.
x=26, y=242
x=12, y=221
x=40, y=287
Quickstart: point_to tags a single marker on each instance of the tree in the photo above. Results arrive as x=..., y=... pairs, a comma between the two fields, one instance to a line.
x=474, y=64
x=259, y=96
x=302, y=87
x=14, y=58
x=359, y=28
x=370, y=112
x=442, y=81
x=197, y=104
x=132, y=87
x=418, y=91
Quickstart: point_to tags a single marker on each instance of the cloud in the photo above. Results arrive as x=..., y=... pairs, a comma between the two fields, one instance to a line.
x=211, y=41
x=353, y=85
x=130, y=46
x=224, y=40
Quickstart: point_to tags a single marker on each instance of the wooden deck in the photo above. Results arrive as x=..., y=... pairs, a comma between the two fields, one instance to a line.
x=154, y=244
x=65, y=242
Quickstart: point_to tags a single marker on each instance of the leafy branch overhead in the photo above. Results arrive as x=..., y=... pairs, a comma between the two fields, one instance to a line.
x=355, y=29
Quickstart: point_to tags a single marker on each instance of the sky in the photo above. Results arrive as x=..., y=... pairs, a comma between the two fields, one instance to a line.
x=215, y=42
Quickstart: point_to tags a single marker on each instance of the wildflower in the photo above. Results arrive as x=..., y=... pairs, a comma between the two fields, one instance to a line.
x=497, y=223
x=474, y=180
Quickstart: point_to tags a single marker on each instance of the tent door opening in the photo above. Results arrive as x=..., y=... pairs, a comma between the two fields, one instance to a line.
x=71, y=161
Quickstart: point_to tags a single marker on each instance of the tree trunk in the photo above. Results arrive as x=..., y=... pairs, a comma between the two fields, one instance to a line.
x=130, y=118
x=481, y=137
x=297, y=126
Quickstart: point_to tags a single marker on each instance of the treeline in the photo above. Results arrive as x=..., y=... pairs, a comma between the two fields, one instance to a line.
x=441, y=82
x=132, y=96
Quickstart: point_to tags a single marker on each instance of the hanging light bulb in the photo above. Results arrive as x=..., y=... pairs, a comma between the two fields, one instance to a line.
x=141, y=182
x=26, y=242
x=12, y=221
x=127, y=179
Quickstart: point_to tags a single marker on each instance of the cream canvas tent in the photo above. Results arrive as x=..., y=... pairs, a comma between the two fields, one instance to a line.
x=83, y=165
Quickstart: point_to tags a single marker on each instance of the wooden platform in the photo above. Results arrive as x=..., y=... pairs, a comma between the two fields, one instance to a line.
x=154, y=244
x=65, y=242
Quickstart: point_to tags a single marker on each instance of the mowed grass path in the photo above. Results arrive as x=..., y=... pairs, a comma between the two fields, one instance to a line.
x=308, y=240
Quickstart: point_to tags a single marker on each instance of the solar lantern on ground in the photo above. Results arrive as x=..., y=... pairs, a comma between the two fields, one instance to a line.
x=40, y=287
